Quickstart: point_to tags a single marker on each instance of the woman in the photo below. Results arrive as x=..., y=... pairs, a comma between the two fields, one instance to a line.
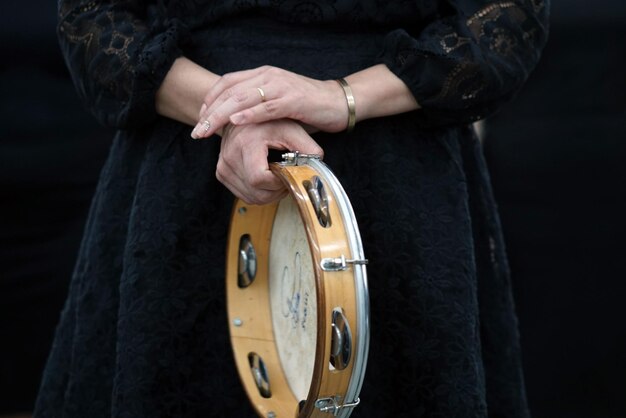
x=144, y=332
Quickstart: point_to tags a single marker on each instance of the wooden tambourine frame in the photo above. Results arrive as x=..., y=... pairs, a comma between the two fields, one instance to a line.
x=342, y=297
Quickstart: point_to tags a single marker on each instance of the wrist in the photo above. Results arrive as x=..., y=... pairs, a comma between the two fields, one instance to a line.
x=362, y=99
x=333, y=108
x=181, y=94
x=378, y=92
x=350, y=102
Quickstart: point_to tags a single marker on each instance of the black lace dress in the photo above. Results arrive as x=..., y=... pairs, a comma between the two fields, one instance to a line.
x=144, y=332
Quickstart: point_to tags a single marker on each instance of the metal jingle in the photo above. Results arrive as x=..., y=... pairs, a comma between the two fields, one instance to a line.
x=319, y=199
x=341, y=340
x=247, y=262
x=260, y=375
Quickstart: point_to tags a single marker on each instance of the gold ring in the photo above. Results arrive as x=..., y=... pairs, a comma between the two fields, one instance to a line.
x=262, y=93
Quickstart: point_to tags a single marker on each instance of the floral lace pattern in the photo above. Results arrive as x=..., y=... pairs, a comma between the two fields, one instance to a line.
x=144, y=331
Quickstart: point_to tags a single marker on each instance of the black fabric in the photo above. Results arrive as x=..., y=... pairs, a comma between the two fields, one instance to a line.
x=144, y=332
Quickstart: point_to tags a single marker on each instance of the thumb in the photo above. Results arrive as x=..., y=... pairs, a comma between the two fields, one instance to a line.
x=295, y=138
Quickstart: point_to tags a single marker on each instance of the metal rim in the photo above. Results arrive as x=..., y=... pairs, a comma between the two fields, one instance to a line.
x=360, y=278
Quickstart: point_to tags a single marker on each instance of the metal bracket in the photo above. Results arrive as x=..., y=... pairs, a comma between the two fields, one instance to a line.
x=332, y=405
x=339, y=263
x=296, y=158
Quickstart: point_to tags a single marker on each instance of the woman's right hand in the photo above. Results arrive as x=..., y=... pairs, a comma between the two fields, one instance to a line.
x=242, y=165
x=269, y=93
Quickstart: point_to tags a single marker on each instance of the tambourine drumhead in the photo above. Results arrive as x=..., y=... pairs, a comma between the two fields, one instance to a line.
x=297, y=297
x=293, y=297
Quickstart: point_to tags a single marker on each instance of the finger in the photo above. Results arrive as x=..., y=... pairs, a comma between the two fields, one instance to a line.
x=236, y=185
x=240, y=93
x=258, y=175
x=229, y=168
x=231, y=86
x=219, y=91
x=227, y=81
x=244, y=98
x=262, y=112
x=295, y=138
x=263, y=197
x=225, y=175
x=238, y=167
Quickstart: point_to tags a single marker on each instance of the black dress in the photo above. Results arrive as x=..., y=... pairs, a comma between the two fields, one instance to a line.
x=144, y=331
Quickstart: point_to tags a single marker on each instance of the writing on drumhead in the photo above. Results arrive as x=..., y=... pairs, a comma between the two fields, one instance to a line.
x=296, y=304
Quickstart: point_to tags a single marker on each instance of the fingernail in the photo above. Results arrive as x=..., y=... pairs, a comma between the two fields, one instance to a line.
x=194, y=133
x=237, y=118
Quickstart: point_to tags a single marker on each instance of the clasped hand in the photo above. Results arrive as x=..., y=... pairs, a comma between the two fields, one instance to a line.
x=261, y=109
x=270, y=93
x=242, y=165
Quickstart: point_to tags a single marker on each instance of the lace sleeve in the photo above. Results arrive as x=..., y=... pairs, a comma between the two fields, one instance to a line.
x=118, y=53
x=463, y=66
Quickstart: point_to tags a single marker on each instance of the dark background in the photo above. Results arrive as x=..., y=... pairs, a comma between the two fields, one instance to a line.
x=557, y=157
x=558, y=162
x=51, y=152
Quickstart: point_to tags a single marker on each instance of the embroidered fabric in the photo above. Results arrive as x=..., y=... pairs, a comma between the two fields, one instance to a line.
x=468, y=55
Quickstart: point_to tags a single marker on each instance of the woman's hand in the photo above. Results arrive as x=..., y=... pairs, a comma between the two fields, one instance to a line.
x=242, y=166
x=270, y=93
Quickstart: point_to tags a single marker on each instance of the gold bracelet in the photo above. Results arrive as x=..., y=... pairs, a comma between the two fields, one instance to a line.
x=351, y=103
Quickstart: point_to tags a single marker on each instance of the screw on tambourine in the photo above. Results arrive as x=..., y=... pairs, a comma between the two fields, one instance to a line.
x=340, y=263
x=294, y=157
x=271, y=414
x=333, y=404
x=242, y=210
x=237, y=322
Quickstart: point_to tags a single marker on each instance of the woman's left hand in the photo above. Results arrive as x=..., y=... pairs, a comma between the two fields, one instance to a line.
x=242, y=165
x=269, y=93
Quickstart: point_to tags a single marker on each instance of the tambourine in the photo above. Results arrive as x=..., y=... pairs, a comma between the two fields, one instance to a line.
x=298, y=304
